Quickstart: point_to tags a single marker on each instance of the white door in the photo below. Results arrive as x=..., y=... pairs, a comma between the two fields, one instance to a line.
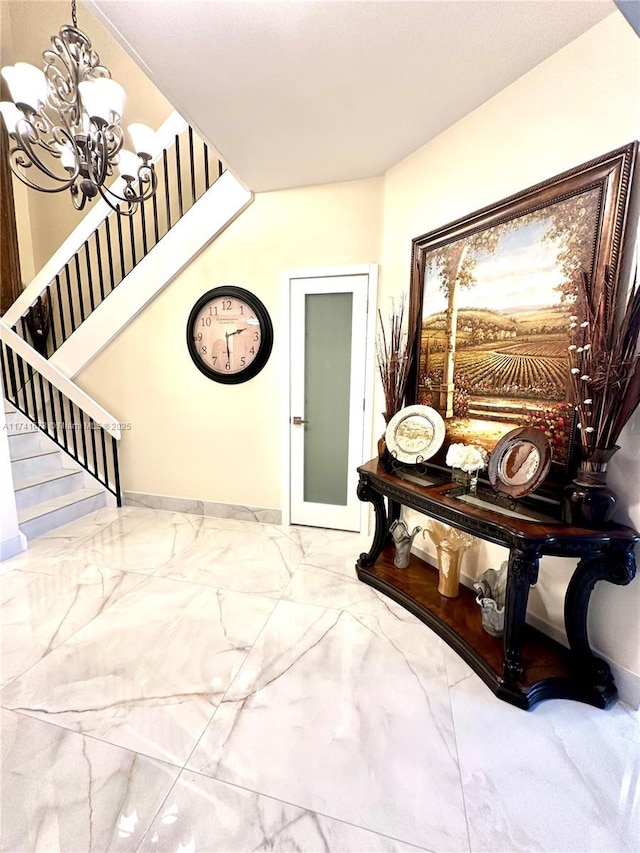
x=330, y=356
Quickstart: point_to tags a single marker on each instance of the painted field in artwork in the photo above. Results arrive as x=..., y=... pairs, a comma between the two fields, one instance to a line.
x=499, y=302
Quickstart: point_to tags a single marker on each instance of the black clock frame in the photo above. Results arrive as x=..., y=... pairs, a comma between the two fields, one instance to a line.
x=266, y=334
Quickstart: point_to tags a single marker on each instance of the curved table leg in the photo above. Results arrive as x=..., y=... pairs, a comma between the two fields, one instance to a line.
x=617, y=567
x=523, y=572
x=367, y=493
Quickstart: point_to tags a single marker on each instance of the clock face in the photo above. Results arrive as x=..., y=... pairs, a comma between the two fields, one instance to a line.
x=229, y=334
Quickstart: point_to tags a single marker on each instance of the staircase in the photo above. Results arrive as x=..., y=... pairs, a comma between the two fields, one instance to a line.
x=107, y=271
x=50, y=489
x=113, y=264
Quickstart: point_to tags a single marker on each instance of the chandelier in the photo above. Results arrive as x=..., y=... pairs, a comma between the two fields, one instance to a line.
x=64, y=125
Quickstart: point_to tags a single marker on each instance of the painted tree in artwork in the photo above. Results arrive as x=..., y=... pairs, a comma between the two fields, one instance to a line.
x=454, y=264
x=570, y=227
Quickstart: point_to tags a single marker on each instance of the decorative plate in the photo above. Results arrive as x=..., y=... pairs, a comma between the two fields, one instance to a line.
x=520, y=461
x=415, y=434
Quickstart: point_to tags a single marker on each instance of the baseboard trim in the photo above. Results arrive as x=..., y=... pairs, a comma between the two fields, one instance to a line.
x=211, y=509
x=12, y=546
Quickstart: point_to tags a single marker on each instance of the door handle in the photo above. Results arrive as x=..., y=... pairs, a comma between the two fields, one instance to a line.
x=298, y=421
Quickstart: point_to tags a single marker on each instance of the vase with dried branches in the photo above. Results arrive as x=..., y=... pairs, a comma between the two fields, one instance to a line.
x=394, y=352
x=604, y=365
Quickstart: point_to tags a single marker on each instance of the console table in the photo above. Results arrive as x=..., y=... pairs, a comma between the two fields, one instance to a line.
x=525, y=666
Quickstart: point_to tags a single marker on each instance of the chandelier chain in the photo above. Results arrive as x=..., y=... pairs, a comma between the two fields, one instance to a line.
x=74, y=15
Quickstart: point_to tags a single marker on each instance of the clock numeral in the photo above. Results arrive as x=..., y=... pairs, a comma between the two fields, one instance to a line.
x=227, y=366
x=252, y=350
x=206, y=321
x=204, y=350
x=243, y=361
x=199, y=336
x=226, y=305
x=214, y=358
x=256, y=336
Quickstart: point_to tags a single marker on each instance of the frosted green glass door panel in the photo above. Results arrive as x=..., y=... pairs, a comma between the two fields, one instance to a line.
x=327, y=383
x=329, y=353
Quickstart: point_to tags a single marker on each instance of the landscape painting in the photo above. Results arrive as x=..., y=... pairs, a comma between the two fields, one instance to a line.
x=494, y=323
x=492, y=297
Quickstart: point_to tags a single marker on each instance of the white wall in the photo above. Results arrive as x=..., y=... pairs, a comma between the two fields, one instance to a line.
x=580, y=103
x=191, y=437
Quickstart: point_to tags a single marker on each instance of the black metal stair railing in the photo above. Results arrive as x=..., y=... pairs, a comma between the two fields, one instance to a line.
x=88, y=442
x=185, y=172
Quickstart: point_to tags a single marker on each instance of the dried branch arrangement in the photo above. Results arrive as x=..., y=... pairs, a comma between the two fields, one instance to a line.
x=393, y=351
x=604, y=362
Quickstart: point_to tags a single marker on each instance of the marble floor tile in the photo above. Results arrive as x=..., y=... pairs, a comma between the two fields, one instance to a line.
x=330, y=589
x=148, y=672
x=201, y=814
x=61, y=540
x=259, y=559
x=562, y=777
x=334, y=550
x=39, y=611
x=140, y=540
x=357, y=711
x=64, y=792
x=316, y=715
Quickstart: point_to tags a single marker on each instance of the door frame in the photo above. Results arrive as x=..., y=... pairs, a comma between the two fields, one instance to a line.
x=370, y=270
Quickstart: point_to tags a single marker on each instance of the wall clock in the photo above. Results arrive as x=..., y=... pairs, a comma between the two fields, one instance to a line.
x=229, y=334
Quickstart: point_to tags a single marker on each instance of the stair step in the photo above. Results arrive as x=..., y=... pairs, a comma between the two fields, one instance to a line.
x=10, y=415
x=44, y=487
x=23, y=441
x=35, y=520
x=33, y=463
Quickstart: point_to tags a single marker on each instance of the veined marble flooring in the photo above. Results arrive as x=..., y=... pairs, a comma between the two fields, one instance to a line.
x=187, y=684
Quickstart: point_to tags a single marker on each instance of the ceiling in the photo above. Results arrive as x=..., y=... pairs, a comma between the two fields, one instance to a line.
x=300, y=93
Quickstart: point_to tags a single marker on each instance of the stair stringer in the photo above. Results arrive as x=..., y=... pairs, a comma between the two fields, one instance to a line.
x=208, y=217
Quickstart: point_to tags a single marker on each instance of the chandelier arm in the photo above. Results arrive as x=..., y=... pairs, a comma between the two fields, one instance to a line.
x=34, y=128
x=24, y=155
x=103, y=144
x=105, y=194
x=16, y=169
x=147, y=181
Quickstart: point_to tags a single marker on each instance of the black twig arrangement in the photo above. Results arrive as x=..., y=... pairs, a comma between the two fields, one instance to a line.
x=604, y=362
x=394, y=353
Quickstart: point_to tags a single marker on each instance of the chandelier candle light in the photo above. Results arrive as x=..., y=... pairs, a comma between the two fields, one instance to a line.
x=65, y=122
